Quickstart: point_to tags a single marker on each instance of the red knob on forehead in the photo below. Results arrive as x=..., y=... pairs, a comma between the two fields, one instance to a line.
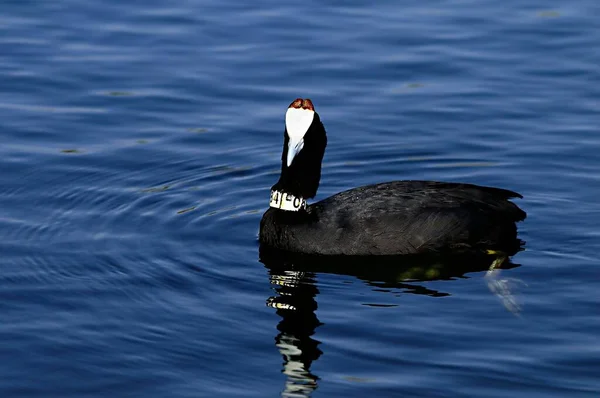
x=307, y=104
x=297, y=103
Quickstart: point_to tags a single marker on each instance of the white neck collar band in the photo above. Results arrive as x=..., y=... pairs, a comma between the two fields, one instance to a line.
x=287, y=201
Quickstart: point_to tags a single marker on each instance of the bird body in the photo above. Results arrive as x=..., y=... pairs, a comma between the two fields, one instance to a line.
x=399, y=217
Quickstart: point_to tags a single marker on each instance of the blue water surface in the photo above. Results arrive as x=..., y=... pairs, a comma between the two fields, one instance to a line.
x=139, y=141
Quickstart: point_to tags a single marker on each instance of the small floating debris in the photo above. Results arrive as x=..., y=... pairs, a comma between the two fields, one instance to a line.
x=355, y=379
x=156, y=189
x=120, y=93
x=186, y=210
x=403, y=88
x=72, y=150
x=380, y=305
x=548, y=14
x=197, y=130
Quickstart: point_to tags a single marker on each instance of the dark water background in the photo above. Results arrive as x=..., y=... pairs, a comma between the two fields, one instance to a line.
x=138, y=144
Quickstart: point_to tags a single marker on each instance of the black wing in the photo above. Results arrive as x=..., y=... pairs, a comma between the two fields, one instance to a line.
x=419, y=216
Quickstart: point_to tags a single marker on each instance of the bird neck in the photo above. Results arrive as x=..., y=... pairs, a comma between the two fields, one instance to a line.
x=302, y=177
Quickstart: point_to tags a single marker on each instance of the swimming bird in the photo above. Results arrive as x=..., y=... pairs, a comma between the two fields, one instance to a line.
x=392, y=218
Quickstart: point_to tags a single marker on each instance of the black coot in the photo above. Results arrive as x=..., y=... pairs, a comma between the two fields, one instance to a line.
x=392, y=218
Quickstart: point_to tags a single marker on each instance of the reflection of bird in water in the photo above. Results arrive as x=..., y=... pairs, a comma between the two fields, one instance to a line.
x=295, y=303
x=294, y=280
